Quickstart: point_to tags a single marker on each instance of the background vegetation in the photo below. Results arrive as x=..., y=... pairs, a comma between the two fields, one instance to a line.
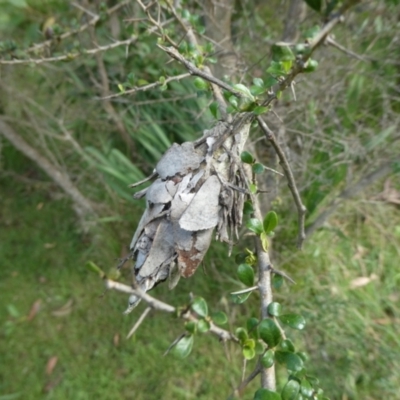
x=61, y=336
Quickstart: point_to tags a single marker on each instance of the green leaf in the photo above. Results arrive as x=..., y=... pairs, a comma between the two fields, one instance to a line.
x=287, y=345
x=219, y=318
x=252, y=327
x=265, y=394
x=248, y=207
x=184, y=346
x=282, y=52
x=267, y=360
x=253, y=188
x=121, y=88
x=274, y=309
x=200, y=84
x=293, y=361
x=191, y=327
x=242, y=335
x=295, y=321
x=199, y=306
x=270, y=222
x=91, y=266
x=260, y=110
x=291, y=390
x=314, y=4
x=247, y=158
x=271, y=81
x=269, y=332
x=257, y=91
x=258, y=82
x=244, y=90
x=248, y=352
x=246, y=274
x=259, y=349
x=276, y=69
x=257, y=168
x=306, y=388
x=214, y=109
x=254, y=225
x=240, y=298
x=203, y=325
x=311, y=66
x=277, y=281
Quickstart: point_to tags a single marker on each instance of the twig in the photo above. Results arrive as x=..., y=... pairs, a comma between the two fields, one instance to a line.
x=69, y=56
x=146, y=87
x=83, y=27
x=223, y=334
x=238, y=391
x=138, y=322
x=343, y=49
x=283, y=274
x=301, y=209
x=247, y=290
x=383, y=170
x=174, y=53
x=149, y=178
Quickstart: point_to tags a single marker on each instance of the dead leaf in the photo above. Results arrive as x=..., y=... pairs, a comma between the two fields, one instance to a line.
x=362, y=281
x=34, y=309
x=49, y=245
x=116, y=339
x=39, y=206
x=64, y=310
x=51, y=364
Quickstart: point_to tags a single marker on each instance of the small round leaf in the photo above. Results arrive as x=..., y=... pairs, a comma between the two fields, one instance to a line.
x=184, y=346
x=252, y=327
x=267, y=360
x=200, y=84
x=291, y=390
x=295, y=321
x=274, y=309
x=242, y=335
x=287, y=345
x=254, y=225
x=199, y=306
x=306, y=388
x=248, y=207
x=203, y=326
x=269, y=332
x=219, y=318
x=248, y=352
x=247, y=158
x=270, y=221
x=246, y=274
x=240, y=298
x=257, y=168
x=292, y=361
x=191, y=326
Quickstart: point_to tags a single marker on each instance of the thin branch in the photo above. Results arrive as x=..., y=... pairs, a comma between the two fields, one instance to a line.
x=70, y=56
x=82, y=28
x=146, y=87
x=238, y=391
x=174, y=53
x=247, y=290
x=333, y=43
x=383, y=170
x=161, y=306
x=301, y=209
x=138, y=322
x=149, y=178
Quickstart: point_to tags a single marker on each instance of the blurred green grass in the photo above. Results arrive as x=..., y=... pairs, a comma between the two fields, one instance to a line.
x=351, y=335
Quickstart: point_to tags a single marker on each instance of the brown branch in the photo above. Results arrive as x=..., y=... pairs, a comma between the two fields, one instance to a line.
x=301, y=209
x=383, y=170
x=146, y=87
x=161, y=306
x=82, y=205
x=69, y=56
x=82, y=28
